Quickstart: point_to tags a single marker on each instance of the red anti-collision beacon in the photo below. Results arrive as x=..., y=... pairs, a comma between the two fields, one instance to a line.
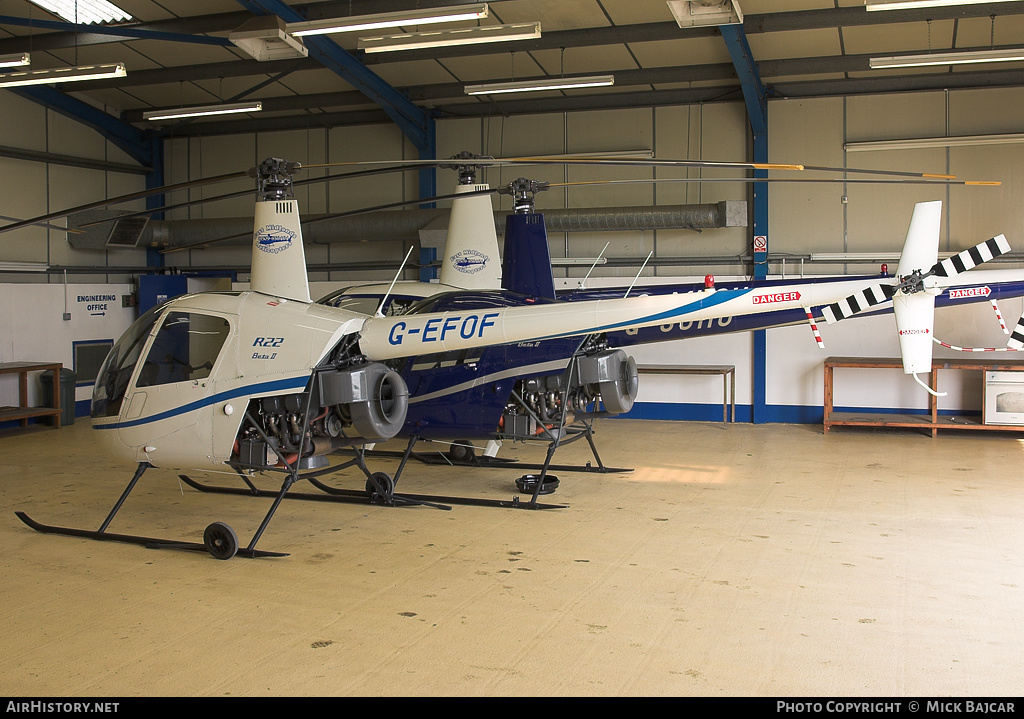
x=709, y=282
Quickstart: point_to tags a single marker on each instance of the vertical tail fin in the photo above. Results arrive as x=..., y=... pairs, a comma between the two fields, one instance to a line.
x=278, y=258
x=471, y=260
x=921, y=248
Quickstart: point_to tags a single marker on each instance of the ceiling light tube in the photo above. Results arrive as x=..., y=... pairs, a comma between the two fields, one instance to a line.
x=444, y=38
x=383, y=20
x=915, y=4
x=202, y=110
x=18, y=59
x=924, y=143
x=547, y=83
x=84, y=13
x=62, y=74
x=948, y=58
x=16, y=266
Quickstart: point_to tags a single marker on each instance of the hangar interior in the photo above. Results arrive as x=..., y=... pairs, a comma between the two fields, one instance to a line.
x=765, y=558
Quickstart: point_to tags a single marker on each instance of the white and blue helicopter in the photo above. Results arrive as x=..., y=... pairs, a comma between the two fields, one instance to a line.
x=268, y=381
x=455, y=397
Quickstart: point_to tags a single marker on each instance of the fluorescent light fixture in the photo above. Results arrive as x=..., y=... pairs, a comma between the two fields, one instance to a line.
x=23, y=266
x=229, y=108
x=585, y=261
x=948, y=58
x=85, y=12
x=921, y=143
x=702, y=13
x=18, y=59
x=62, y=74
x=870, y=5
x=443, y=38
x=383, y=20
x=864, y=256
x=547, y=83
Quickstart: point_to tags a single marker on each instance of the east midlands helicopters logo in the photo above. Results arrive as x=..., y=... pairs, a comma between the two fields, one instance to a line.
x=274, y=238
x=469, y=261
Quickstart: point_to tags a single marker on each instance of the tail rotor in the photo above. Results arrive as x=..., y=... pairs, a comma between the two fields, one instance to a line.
x=914, y=289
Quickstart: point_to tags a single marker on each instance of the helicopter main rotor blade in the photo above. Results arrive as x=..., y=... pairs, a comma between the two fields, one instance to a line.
x=649, y=162
x=502, y=190
x=124, y=198
x=823, y=180
x=554, y=160
x=242, y=193
x=47, y=225
x=899, y=173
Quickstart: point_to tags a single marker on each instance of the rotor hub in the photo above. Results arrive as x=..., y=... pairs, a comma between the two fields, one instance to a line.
x=465, y=166
x=274, y=178
x=523, y=192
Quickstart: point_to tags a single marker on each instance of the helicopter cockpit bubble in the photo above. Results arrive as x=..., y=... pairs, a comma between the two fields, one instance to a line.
x=116, y=370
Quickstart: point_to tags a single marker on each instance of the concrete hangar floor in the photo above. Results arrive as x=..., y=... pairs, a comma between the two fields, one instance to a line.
x=747, y=561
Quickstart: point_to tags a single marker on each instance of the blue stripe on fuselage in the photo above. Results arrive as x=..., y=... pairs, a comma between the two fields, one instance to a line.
x=281, y=385
x=718, y=298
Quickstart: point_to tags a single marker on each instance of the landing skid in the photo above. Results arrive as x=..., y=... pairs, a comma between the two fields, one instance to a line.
x=462, y=454
x=218, y=539
x=380, y=488
x=148, y=542
x=350, y=496
x=499, y=463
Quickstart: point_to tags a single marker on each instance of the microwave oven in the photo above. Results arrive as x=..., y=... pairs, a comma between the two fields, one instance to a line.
x=1004, y=397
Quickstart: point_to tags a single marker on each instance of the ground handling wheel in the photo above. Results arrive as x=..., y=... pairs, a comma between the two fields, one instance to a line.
x=220, y=541
x=461, y=450
x=380, y=484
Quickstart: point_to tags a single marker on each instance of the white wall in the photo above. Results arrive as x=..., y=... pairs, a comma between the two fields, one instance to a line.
x=33, y=329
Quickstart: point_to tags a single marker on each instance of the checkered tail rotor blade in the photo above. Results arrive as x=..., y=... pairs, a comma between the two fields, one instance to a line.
x=971, y=258
x=858, y=302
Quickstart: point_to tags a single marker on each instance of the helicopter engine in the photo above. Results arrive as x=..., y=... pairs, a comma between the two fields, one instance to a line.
x=609, y=377
x=355, y=405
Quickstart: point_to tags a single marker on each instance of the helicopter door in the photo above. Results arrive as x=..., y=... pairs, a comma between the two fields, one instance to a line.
x=164, y=411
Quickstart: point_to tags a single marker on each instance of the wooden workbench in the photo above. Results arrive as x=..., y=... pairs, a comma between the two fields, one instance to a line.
x=23, y=412
x=930, y=422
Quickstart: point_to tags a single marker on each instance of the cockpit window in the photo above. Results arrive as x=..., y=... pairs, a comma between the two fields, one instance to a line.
x=116, y=370
x=185, y=349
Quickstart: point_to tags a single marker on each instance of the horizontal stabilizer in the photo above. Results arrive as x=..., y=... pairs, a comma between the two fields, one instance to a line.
x=858, y=302
x=971, y=258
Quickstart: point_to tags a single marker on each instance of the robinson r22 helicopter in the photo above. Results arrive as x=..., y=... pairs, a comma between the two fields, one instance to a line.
x=456, y=397
x=266, y=380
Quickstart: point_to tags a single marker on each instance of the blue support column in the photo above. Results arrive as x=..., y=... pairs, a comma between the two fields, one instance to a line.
x=756, y=101
x=155, y=258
